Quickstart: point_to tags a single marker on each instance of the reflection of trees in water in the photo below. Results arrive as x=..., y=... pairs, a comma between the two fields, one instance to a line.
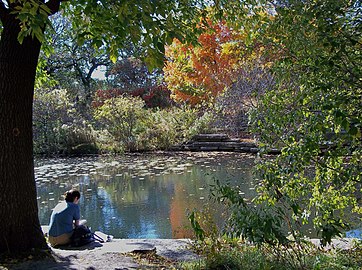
x=133, y=207
x=139, y=197
x=193, y=192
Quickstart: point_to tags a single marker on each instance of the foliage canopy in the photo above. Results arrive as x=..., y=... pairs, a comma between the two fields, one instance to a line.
x=112, y=24
x=313, y=114
x=196, y=74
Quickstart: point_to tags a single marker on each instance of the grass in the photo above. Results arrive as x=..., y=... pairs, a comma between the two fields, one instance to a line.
x=224, y=255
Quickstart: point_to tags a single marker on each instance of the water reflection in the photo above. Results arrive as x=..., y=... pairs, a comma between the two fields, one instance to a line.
x=140, y=196
x=144, y=196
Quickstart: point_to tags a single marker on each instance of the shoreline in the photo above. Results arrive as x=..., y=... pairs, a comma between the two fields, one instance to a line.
x=123, y=254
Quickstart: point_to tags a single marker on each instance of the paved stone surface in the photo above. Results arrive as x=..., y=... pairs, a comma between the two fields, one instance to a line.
x=111, y=255
x=175, y=249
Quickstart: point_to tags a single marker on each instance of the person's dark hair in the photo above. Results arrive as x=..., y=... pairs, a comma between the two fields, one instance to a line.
x=70, y=195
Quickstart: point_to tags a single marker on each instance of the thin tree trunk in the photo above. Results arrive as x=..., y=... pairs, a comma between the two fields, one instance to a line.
x=20, y=229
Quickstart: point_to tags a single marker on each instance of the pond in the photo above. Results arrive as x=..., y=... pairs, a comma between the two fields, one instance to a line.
x=145, y=196
x=141, y=196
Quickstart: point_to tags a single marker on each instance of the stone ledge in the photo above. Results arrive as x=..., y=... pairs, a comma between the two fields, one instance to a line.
x=210, y=137
x=338, y=243
x=219, y=142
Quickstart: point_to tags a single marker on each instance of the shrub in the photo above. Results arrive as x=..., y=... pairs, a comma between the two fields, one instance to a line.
x=122, y=117
x=154, y=96
x=57, y=127
x=134, y=127
x=159, y=130
x=77, y=138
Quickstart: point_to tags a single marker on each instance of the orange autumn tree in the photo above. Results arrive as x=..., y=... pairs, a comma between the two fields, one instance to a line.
x=199, y=73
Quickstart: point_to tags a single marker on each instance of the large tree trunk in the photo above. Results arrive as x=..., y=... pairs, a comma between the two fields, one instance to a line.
x=20, y=229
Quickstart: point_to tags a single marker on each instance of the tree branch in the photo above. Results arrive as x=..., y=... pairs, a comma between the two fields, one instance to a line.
x=54, y=5
x=94, y=67
x=3, y=11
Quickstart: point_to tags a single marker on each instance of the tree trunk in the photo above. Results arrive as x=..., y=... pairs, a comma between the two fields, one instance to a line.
x=20, y=230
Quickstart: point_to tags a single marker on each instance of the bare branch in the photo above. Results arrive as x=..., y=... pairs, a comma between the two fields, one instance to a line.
x=95, y=66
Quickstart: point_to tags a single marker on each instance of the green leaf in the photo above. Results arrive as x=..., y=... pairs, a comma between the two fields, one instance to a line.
x=353, y=130
x=113, y=56
x=161, y=47
x=22, y=34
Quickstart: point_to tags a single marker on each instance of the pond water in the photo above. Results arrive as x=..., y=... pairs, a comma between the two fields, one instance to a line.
x=141, y=196
x=144, y=196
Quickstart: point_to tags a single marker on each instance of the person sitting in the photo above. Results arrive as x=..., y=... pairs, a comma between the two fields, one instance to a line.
x=64, y=218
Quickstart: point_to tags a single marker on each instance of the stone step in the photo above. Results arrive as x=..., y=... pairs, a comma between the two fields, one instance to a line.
x=219, y=142
x=210, y=137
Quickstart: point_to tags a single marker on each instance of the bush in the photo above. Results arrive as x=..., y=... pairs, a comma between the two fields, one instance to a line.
x=121, y=117
x=133, y=127
x=57, y=127
x=159, y=130
x=254, y=238
x=153, y=96
x=168, y=127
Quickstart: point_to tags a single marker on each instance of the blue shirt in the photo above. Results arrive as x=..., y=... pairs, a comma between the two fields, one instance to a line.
x=61, y=220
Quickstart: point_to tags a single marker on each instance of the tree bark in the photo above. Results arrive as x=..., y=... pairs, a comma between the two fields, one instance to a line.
x=20, y=230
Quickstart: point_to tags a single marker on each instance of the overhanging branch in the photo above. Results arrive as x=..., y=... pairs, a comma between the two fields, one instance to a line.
x=3, y=11
x=54, y=5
